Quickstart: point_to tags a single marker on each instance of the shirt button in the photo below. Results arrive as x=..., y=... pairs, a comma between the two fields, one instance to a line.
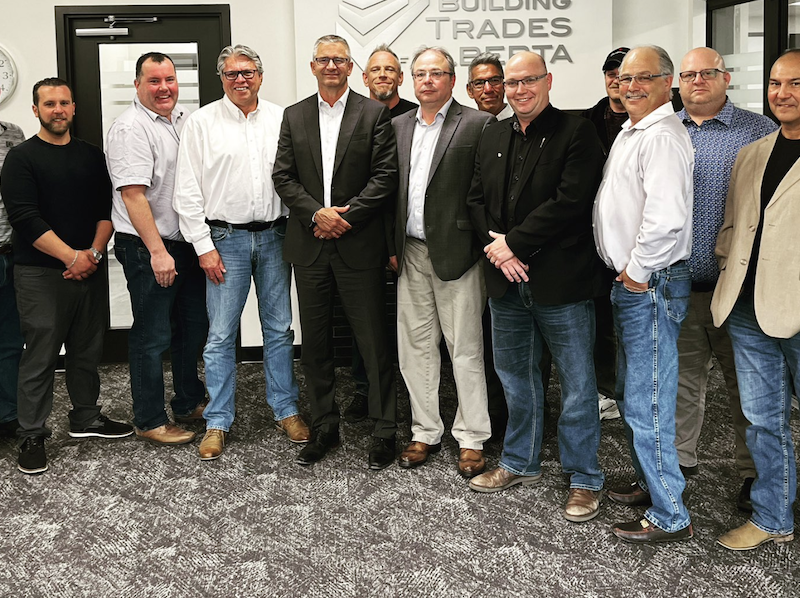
x=752, y=229
x=743, y=262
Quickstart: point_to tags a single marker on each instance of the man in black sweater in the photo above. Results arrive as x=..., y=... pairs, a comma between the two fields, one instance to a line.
x=58, y=196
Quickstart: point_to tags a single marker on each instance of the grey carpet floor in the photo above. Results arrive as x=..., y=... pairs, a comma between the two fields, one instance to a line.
x=124, y=518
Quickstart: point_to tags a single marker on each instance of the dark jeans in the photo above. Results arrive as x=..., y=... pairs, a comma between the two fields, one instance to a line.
x=164, y=318
x=52, y=312
x=10, y=340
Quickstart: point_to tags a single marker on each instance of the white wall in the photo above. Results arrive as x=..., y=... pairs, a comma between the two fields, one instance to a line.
x=677, y=25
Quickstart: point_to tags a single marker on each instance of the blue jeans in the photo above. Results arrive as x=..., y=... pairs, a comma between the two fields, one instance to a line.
x=171, y=318
x=520, y=327
x=647, y=326
x=765, y=367
x=246, y=255
x=10, y=341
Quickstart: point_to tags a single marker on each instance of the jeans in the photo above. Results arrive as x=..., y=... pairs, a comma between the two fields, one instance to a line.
x=765, y=367
x=164, y=318
x=647, y=325
x=246, y=255
x=10, y=341
x=520, y=327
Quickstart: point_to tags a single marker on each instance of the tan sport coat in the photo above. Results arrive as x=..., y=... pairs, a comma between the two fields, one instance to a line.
x=777, y=284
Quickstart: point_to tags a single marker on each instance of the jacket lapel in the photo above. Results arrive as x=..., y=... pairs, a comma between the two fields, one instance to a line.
x=404, y=131
x=352, y=112
x=311, y=124
x=451, y=121
x=792, y=178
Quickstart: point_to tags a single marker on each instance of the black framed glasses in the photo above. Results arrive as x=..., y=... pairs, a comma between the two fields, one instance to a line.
x=233, y=75
x=527, y=82
x=705, y=74
x=481, y=83
x=435, y=75
x=640, y=79
x=337, y=60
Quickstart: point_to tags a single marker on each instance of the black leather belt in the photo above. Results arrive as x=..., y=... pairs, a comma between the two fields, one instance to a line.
x=4, y=249
x=253, y=227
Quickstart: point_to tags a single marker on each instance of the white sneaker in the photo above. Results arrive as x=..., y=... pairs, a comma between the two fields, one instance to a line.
x=608, y=408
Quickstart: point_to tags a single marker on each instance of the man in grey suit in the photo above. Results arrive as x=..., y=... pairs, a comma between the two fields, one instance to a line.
x=440, y=287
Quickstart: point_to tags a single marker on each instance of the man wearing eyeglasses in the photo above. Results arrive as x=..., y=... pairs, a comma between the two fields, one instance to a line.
x=756, y=297
x=440, y=286
x=336, y=170
x=530, y=202
x=718, y=131
x=485, y=85
x=643, y=231
x=231, y=213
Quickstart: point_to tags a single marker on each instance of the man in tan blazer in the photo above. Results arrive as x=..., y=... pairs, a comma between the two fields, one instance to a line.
x=758, y=298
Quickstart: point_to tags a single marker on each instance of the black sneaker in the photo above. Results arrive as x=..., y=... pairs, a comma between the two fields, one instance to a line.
x=32, y=458
x=103, y=428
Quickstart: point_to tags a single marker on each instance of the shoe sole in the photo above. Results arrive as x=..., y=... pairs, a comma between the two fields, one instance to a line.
x=32, y=471
x=661, y=540
x=160, y=443
x=292, y=440
x=524, y=481
x=99, y=435
x=214, y=458
x=775, y=539
x=381, y=467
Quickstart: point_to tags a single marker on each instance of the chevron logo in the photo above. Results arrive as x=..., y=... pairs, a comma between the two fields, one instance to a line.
x=367, y=23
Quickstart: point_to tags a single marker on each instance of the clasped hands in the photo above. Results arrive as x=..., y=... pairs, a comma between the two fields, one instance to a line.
x=328, y=224
x=501, y=257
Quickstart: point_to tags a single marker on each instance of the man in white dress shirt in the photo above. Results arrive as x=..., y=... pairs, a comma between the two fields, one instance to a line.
x=643, y=231
x=164, y=279
x=230, y=212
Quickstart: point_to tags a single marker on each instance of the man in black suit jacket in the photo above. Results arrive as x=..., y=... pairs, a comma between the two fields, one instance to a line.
x=440, y=286
x=535, y=178
x=335, y=170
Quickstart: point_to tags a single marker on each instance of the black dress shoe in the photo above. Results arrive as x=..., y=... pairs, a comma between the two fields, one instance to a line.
x=381, y=455
x=357, y=410
x=318, y=447
x=743, y=500
x=644, y=532
x=631, y=496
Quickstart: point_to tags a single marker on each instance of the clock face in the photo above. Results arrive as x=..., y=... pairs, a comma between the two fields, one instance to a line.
x=8, y=75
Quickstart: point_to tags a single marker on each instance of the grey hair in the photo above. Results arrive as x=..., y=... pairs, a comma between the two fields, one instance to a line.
x=439, y=50
x=238, y=50
x=489, y=58
x=383, y=48
x=331, y=39
x=664, y=61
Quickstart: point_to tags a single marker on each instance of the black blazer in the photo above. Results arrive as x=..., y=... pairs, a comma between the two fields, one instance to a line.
x=550, y=226
x=448, y=229
x=364, y=178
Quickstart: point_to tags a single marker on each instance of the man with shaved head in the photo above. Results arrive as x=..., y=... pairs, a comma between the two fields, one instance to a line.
x=643, y=231
x=718, y=131
x=535, y=178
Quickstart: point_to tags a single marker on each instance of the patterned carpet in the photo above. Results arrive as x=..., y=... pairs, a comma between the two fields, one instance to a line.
x=124, y=518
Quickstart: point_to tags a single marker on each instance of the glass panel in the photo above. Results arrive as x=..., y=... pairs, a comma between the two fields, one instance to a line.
x=117, y=69
x=794, y=24
x=737, y=32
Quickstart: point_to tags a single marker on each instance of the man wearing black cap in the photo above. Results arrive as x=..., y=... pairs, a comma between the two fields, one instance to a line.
x=609, y=113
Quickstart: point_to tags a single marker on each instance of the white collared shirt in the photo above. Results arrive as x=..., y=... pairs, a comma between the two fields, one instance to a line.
x=224, y=169
x=142, y=149
x=330, y=122
x=423, y=144
x=643, y=211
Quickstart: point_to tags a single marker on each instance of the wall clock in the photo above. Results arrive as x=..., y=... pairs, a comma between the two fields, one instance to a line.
x=8, y=75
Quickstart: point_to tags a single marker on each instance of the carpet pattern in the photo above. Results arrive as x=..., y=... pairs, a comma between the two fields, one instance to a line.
x=124, y=518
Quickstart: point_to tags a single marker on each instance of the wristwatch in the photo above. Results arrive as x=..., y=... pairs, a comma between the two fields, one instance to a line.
x=98, y=255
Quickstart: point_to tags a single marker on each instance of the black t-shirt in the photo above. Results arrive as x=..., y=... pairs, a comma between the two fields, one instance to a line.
x=402, y=107
x=63, y=188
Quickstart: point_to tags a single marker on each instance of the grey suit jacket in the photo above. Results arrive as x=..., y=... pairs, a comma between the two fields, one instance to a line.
x=452, y=245
x=777, y=284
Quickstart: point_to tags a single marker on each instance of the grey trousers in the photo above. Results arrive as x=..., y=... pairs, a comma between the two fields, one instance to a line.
x=52, y=312
x=698, y=340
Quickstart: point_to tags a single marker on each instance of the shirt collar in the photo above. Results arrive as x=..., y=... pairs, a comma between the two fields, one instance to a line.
x=235, y=111
x=342, y=100
x=656, y=115
x=177, y=111
x=725, y=116
x=441, y=112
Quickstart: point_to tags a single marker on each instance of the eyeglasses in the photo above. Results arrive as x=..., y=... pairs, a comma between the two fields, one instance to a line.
x=527, y=82
x=480, y=83
x=233, y=75
x=435, y=75
x=640, y=79
x=705, y=74
x=337, y=60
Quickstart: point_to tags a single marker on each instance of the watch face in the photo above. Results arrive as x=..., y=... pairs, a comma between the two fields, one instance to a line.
x=8, y=75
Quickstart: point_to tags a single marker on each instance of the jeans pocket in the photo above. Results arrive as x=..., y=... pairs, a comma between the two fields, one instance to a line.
x=218, y=233
x=280, y=231
x=676, y=298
